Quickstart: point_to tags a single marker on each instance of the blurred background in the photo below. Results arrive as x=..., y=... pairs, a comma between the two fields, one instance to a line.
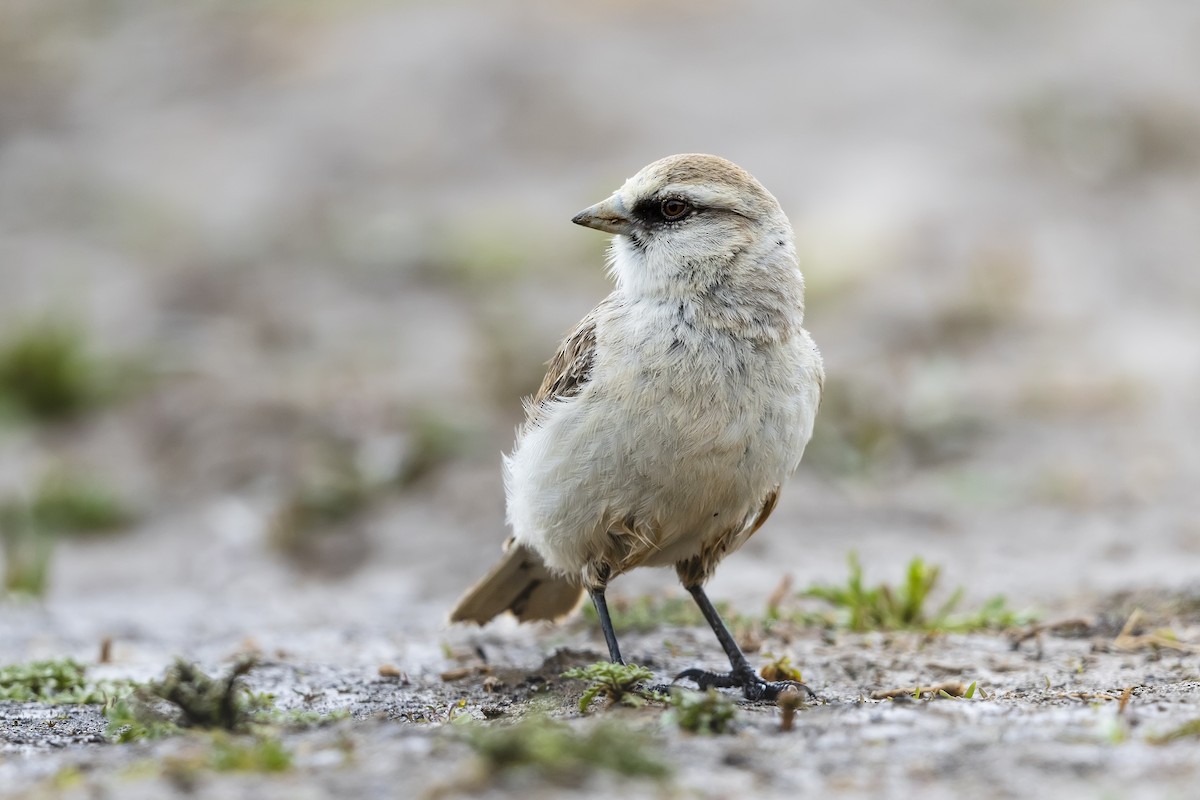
x=275, y=275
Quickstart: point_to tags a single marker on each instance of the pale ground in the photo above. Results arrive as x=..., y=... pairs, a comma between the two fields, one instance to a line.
x=328, y=225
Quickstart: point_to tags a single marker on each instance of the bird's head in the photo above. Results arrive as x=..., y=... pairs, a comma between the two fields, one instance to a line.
x=687, y=223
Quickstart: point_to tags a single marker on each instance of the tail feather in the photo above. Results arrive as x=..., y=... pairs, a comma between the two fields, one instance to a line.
x=522, y=584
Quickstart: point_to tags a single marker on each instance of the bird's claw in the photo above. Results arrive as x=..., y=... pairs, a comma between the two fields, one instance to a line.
x=754, y=688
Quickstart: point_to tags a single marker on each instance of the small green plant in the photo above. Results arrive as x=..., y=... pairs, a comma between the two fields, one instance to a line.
x=556, y=752
x=207, y=702
x=249, y=754
x=620, y=683
x=702, y=712
x=884, y=607
x=187, y=698
x=58, y=681
x=994, y=614
x=48, y=374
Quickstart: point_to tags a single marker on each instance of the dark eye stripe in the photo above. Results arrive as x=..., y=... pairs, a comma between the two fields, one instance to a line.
x=652, y=212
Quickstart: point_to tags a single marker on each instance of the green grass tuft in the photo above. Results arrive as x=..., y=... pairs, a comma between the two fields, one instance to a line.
x=861, y=607
x=556, y=752
x=620, y=683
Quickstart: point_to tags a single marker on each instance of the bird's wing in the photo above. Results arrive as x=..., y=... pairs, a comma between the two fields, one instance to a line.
x=571, y=367
x=521, y=582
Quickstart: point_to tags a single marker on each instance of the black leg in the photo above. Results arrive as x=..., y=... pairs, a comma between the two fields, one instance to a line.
x=741, y=674
x=614, y=652
x=737, y=659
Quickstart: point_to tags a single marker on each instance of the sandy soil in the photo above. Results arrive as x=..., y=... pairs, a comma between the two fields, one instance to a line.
x=335, y=231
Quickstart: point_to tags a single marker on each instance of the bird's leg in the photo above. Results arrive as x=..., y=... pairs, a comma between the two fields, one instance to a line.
x=741, y=674
x=610, y=636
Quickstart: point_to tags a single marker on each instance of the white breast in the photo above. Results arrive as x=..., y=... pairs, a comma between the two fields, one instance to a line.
x=683, y=431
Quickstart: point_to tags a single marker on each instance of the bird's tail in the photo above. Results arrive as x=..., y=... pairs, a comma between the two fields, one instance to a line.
x=520, y=583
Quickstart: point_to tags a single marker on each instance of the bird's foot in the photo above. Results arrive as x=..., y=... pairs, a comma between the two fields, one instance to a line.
x=753, y=687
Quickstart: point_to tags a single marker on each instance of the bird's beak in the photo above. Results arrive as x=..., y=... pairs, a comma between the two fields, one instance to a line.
x=608, y=216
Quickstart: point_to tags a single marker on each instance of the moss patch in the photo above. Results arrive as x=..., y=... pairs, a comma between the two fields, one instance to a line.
x=59, y=681
x=556, y=752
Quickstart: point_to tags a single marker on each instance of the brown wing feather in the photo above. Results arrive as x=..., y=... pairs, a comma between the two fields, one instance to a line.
x=570, y=369
x=769, y=503
x=520, y=583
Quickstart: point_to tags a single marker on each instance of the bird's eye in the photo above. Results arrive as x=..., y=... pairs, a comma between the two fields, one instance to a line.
x=673, y=208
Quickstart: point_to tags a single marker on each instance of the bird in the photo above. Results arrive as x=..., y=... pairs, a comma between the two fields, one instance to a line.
x=671, y=416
